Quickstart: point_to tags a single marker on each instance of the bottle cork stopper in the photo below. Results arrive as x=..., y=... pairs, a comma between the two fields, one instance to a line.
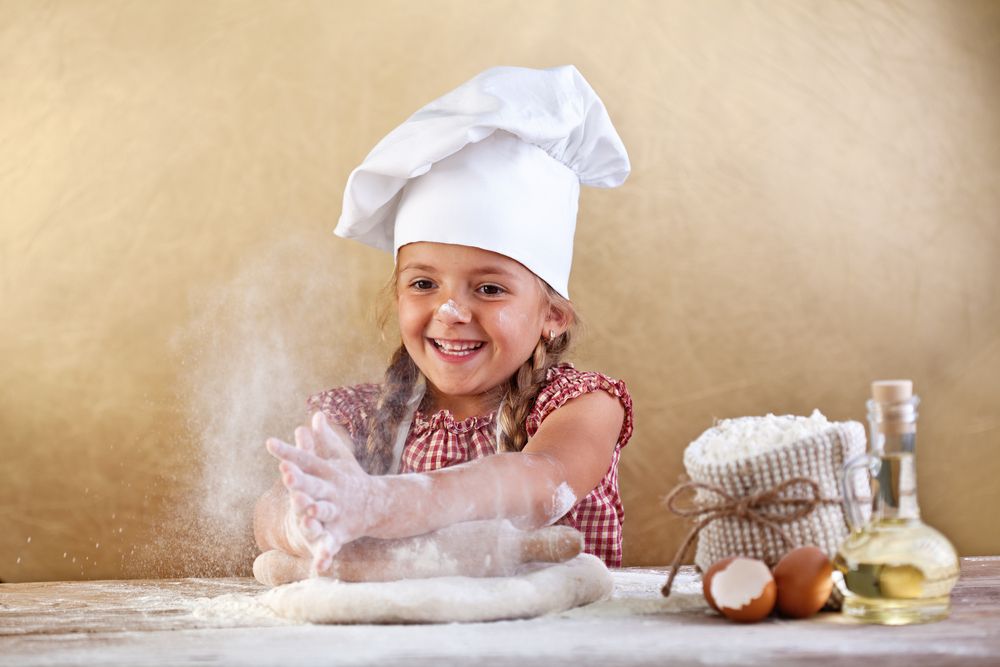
x=892, y=391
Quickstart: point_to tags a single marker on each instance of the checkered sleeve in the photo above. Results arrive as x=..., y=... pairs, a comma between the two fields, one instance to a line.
x=347, y=406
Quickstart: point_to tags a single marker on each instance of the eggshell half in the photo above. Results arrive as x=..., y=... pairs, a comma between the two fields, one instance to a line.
x=744, y=590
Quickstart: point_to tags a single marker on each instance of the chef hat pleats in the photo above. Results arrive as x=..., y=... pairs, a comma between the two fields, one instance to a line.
x=495, y=164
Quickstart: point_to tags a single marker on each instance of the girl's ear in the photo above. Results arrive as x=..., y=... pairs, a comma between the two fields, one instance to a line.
x=559, y=319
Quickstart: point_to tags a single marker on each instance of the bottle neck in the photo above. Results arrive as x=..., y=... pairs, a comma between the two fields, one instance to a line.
x=893, y=433
x=892, y=443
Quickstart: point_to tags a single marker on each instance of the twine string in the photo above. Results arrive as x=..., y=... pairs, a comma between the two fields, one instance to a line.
x=767, y=508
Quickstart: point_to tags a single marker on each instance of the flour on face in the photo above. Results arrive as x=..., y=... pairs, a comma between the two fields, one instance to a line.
x=450, y=308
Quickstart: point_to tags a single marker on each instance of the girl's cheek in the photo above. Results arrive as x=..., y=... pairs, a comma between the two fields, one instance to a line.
x=507, y=318
x=409, y=320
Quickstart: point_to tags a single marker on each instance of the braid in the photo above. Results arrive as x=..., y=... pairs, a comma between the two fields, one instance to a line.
x=400, y=378
x=522, y=389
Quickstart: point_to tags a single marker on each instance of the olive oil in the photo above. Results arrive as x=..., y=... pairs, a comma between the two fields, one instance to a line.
x=896, y=569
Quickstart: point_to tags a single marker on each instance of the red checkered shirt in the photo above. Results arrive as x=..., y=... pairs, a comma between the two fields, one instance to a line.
x=438, y=440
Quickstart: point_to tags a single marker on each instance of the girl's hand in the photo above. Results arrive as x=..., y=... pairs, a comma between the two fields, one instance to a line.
x=328, y=490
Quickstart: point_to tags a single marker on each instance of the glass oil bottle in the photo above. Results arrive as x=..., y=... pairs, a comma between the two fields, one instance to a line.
x=896, y=568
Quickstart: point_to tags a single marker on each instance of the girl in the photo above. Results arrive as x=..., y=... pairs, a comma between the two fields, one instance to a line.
x=478, y=418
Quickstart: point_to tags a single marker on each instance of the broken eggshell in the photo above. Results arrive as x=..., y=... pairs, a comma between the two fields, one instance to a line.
x=741, y=589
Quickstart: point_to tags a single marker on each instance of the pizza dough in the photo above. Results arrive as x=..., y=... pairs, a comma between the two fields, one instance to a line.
x=545, y=589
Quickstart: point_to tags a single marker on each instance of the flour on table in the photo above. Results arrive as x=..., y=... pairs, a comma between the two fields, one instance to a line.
x=542, y=590
x=235, y=610
x=637, y=593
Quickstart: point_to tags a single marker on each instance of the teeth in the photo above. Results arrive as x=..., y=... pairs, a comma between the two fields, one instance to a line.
x=454, y=348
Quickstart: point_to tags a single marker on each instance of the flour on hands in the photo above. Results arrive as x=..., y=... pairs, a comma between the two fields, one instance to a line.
x=328, y=489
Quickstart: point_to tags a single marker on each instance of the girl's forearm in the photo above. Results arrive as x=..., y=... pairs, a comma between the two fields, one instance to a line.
x=528, y=489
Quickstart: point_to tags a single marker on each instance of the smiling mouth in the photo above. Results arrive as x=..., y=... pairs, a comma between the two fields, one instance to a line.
x=457, y=348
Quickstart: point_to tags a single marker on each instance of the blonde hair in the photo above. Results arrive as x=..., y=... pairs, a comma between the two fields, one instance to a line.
x=517, y=394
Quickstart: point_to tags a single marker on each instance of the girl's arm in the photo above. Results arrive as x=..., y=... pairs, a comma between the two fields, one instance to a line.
x=563, y=462
x=337, y=502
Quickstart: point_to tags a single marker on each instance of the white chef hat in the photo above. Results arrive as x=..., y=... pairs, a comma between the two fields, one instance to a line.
x=496, y=164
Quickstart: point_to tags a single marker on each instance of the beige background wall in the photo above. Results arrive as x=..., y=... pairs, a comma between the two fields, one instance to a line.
x=815, y=203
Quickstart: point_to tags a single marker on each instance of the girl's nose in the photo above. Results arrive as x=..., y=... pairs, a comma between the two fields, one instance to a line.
x=451, y=312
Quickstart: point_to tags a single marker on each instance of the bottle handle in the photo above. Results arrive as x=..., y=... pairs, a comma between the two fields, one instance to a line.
x=852, y=506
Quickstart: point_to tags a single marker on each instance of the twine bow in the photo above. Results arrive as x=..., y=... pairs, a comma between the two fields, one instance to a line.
x=764, y=507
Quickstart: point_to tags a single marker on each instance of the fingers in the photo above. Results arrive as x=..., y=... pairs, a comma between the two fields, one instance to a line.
x=322, y=510
x=323, y=439
x=304, y=460
x=295, y=479
x=310, y=495
x=321, y=474
x=300, y=502
x=336, y=443
x=308, y=508
x=318, y=535
x=322, y=545
x=325, y=549
x=327, y=449
x=304, y=440
x=311, y=529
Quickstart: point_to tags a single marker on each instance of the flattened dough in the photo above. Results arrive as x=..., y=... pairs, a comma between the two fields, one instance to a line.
x=548, y=589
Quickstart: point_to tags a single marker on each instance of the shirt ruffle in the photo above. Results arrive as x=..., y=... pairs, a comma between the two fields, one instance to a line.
x=444, y=419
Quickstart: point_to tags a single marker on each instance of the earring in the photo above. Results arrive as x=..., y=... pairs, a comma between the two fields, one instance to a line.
x=552, y=334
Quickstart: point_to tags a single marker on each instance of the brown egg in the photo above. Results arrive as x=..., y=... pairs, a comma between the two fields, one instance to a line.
x=804, y=581
x=742, y=589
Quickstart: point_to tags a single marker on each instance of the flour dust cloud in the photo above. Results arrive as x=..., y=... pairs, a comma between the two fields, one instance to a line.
x=297, y=318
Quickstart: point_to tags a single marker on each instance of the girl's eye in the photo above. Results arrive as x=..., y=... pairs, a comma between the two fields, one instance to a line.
x=492, y=290
x=422, y=284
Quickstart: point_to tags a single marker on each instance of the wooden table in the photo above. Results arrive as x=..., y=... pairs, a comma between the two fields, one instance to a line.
x=181, y=622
